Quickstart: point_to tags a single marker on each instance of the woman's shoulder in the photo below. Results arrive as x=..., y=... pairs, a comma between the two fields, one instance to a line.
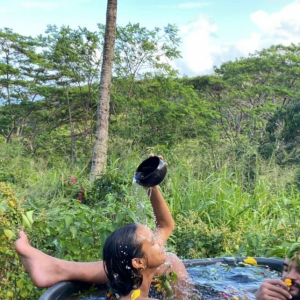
x=173, y=264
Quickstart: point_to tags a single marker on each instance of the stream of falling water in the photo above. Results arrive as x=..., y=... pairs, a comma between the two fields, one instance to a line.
x=142, y=207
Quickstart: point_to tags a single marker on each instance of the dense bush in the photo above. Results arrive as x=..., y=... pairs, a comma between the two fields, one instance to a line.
x=195, y=239
x=113, y=182
x=77, y=232
x=14, y=283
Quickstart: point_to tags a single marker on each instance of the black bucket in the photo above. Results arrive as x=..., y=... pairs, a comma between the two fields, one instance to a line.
x=150, y=172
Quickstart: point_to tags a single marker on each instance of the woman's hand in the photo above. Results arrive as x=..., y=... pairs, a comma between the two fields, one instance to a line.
x=159, y=156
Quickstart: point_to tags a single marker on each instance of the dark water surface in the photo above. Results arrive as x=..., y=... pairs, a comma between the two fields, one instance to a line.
x=223, y=281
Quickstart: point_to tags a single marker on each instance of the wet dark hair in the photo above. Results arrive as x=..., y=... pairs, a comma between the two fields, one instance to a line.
x=118, y=251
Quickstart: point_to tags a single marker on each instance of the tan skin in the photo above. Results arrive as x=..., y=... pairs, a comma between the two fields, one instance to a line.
x=155, y=256
x=46, y=270
x=276, y=289
x=153, y=242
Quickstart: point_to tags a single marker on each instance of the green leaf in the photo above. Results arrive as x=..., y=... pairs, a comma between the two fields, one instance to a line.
x=26, y=222
x=3, y=206
x=68, y=221
x=73, y=231
x=167, y=286
x=9, y=234
x=29, y=216
x=119, y=218
x=103, y=237
x=75, y=249
x=24, y=293
x=173, y=276
x=20, y=283
x=131, y=215
x=10, y=294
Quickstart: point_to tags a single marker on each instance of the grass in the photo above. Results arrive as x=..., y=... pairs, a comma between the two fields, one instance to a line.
x=222, y=205
x=222, y=196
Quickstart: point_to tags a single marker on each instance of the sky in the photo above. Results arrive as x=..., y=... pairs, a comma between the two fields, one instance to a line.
x=211, y=32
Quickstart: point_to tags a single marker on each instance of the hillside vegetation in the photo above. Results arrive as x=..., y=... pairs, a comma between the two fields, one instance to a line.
x=231, y=141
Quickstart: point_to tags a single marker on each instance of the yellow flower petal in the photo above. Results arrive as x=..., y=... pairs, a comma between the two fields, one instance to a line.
x=135, y=294
x=251, y=261
x=288, y=281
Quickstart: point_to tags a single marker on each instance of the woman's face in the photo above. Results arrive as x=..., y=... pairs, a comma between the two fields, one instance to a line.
x=152, y=246
x=291, y=270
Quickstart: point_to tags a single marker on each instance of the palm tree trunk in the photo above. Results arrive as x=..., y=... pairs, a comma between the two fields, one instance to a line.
x=101, y=144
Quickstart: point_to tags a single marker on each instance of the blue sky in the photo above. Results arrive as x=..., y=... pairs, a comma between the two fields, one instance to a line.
x=212, y=32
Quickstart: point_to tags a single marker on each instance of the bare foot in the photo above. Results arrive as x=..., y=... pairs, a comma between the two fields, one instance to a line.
x=43, y=269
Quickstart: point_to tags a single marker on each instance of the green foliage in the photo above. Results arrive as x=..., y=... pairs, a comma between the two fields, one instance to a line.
x=140, y=52
x=282, y=138
x=36, y=180
x=74, y=232
x=160, y=111
x=14, y=283
x=20, y=74
x=293, y=251
x=112, y=183
x=163, y=283
x=196, y=239
x=77, y=232
x=222, y=201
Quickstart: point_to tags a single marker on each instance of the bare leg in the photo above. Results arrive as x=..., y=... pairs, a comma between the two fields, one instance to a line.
x=46, y=270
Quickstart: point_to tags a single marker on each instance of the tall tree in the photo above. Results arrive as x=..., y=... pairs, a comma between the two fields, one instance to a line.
x=21, y=73
x=101, y=144
x=76, y=65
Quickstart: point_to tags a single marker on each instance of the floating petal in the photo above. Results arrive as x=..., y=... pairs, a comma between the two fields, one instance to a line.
x=251, y=261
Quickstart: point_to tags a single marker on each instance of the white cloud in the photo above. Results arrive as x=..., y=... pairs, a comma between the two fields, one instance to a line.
x=289, y=15
x=249, y=45
x=197, y=46
x=189, y=5
x=282, y=27
x=201, y=50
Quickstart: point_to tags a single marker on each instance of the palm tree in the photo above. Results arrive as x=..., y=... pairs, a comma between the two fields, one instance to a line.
x=99, y=159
